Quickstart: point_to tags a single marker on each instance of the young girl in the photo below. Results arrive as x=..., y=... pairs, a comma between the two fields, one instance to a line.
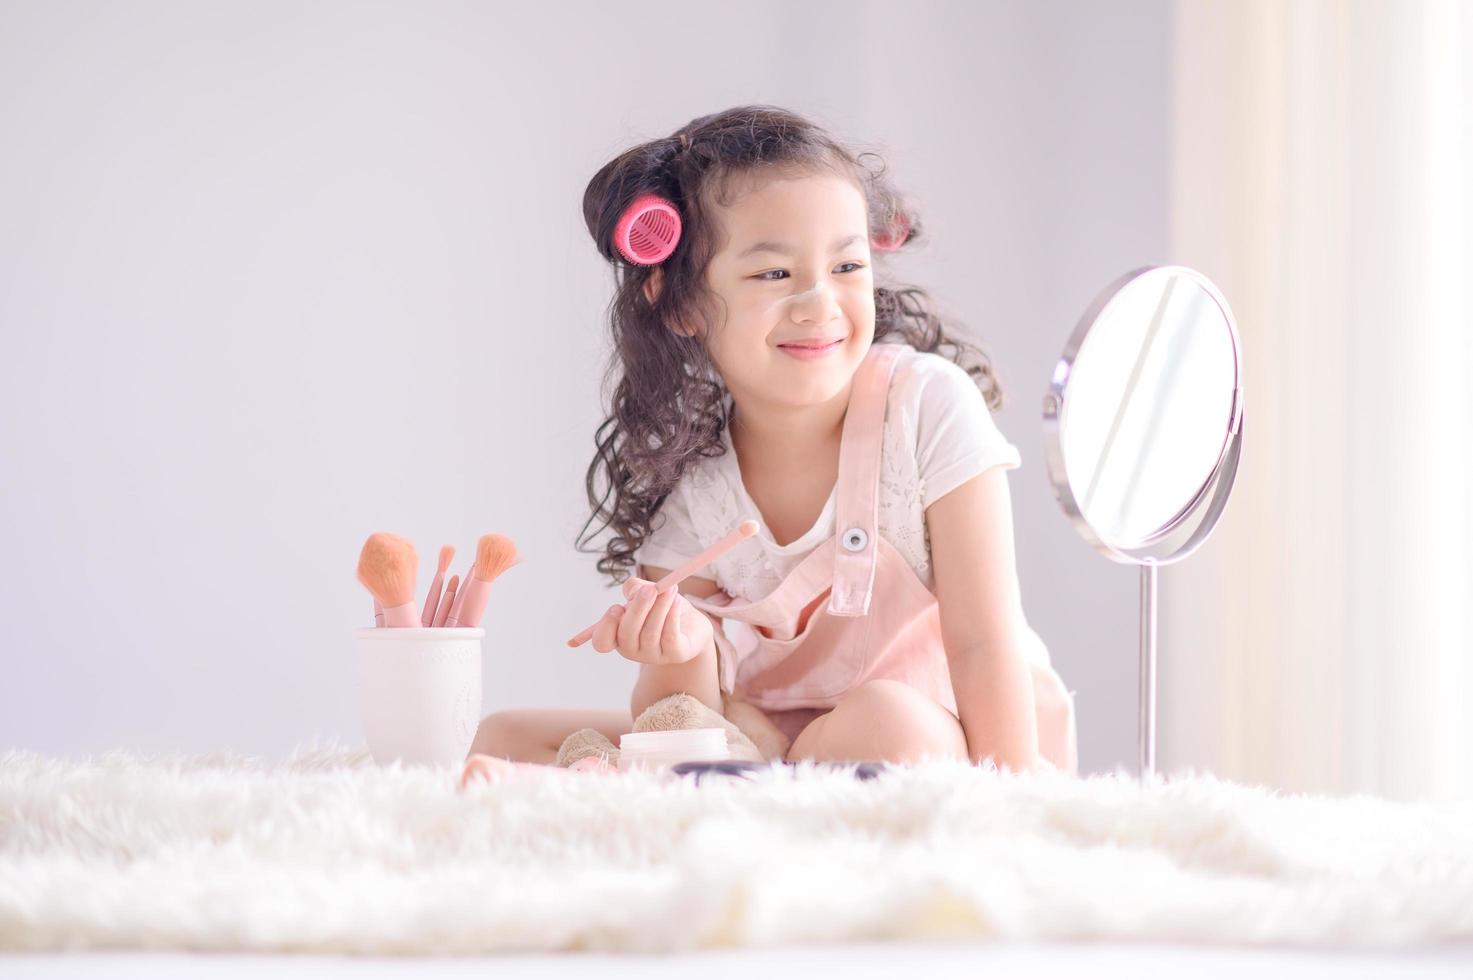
x=764, y=373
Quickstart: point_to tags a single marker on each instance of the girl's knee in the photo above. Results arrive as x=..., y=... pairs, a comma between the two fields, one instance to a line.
x=887, y=720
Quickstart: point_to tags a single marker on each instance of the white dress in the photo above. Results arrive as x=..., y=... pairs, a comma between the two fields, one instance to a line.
x=938, y=434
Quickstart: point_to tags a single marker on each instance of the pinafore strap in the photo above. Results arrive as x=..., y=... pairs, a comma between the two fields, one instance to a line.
x=848, y=559
x=857, y=545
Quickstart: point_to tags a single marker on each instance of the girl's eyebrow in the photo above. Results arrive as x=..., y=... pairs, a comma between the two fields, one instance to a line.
x=783, y=249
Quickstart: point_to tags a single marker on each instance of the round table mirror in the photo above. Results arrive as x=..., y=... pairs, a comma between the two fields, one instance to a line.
x=1143, y=422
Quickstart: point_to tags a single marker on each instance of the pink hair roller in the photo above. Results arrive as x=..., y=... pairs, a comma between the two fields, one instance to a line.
x=648, y=231
x=897, y=236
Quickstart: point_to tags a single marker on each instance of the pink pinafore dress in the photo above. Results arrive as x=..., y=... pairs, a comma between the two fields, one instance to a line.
x=880, y=620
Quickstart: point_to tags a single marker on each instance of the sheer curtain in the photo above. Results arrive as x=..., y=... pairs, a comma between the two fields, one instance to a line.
x=1321, y=162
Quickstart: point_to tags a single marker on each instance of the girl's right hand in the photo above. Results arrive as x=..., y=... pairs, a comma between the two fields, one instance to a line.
x=654, y=628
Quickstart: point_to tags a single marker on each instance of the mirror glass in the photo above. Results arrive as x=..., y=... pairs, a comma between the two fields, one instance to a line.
x=1149, y=405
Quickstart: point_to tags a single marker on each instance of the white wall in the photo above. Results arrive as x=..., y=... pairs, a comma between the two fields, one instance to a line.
x=275, y=276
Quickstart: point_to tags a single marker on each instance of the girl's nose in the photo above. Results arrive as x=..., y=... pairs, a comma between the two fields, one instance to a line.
x=816, y=305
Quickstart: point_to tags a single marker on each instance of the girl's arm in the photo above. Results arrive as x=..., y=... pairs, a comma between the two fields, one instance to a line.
x=696, y=677
x=982, y=623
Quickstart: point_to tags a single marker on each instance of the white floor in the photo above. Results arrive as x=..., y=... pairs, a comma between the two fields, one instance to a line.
x=853, y=961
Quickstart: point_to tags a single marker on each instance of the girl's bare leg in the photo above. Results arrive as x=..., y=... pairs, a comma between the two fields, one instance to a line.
x=535, y=734
x=492, y=769
x=881, y=721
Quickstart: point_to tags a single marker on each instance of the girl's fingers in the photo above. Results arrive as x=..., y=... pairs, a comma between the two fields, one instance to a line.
x=604, y=636
x=629, y=627
x=651, y=636
x=673, y=637
x=605, y=633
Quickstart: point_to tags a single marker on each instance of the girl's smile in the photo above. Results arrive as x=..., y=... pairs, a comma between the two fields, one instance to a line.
x=810, y=352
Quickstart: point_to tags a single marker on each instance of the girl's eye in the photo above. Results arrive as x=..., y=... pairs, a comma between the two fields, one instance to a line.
x=763, y=275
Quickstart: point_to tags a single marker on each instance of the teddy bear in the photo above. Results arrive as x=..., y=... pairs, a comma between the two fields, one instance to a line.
x=750, y=734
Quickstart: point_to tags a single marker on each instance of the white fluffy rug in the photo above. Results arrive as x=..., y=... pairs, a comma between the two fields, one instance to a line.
x=326, y=852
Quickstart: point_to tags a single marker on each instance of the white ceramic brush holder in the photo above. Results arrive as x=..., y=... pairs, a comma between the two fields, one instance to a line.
x=420, y=692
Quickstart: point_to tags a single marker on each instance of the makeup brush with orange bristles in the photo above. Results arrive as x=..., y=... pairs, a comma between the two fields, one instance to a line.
x=387, y=567
x=495, y=553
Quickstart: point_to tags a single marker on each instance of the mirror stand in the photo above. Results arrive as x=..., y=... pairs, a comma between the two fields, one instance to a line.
x=1143, y=427
x=1148, y=668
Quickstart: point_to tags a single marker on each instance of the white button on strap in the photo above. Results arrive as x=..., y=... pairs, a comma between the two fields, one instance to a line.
x=855, y=539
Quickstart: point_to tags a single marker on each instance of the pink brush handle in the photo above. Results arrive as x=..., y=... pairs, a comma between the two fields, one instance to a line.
x=378, y=612
x=401, y=615
x=471, y=604
x=443, y=610
x=427, y=615
x=737, y=535
x=465, y=583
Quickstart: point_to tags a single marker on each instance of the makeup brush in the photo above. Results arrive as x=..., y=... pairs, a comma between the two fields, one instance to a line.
x=495, y=553
x=427, y=616
x=442, y=612
x=387, y=567
x=465, y=580
x=735, y=537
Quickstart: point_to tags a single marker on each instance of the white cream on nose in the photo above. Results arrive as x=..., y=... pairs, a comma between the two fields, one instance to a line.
x=795, y=298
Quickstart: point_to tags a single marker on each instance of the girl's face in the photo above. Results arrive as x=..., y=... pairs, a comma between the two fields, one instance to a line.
x=794, y=267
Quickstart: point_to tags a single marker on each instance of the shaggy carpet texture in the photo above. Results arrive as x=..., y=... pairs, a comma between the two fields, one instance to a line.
x=326, y=852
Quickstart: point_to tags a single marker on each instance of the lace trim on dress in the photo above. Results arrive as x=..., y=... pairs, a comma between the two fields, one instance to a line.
x=901, y=512
x=747, y=571
x=750, y=571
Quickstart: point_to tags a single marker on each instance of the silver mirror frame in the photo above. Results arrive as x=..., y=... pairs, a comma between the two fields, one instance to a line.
x=1189, y=527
